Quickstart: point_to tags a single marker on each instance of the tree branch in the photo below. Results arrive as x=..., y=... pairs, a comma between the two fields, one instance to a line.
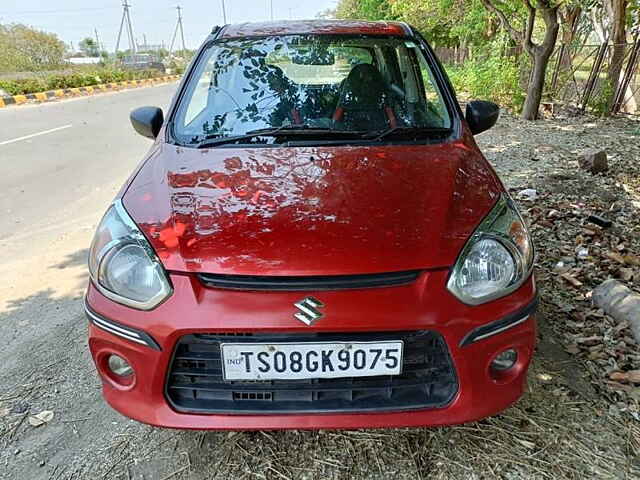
x=515, y=34
x=528, y=44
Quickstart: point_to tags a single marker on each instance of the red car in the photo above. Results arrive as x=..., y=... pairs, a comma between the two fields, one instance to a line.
x=314, y=240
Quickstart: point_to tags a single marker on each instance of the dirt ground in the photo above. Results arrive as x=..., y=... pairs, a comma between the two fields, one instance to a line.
x=569, y=424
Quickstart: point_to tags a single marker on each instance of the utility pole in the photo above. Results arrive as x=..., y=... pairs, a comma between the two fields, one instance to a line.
x=98, y=46
x=271, y=8
x=224, y=13
x=126, y=18
x=175, y=33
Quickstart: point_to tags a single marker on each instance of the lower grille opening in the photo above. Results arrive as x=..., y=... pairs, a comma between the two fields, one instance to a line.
x=195, y=380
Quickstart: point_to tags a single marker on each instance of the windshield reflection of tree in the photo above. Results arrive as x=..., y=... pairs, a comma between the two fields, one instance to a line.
x=262, y=95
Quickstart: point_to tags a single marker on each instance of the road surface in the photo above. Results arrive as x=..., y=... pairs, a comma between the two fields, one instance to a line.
x=61, y=164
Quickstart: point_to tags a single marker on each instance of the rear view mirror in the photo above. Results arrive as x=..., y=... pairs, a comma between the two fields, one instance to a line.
x=147, y=121
x=481, y=115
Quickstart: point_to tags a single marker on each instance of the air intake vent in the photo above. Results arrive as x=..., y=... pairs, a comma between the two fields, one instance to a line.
x=195, y=382
x=308, y=283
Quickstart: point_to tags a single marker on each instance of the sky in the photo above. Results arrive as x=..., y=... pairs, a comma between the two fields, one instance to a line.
x=73, y=20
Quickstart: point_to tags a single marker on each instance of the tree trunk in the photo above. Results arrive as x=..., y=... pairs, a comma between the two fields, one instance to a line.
x=619, y=39
x=540, y=55
x=535, y=87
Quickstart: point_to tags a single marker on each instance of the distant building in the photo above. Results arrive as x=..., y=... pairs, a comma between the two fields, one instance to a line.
x=84, y=60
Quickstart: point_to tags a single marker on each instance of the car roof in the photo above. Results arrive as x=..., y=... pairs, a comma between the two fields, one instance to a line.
x=315, y=27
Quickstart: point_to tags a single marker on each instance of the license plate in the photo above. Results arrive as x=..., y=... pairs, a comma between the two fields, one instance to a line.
x=298, y=361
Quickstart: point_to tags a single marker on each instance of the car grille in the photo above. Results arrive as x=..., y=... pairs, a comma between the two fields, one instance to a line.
x=195, y=382
x=307, y=283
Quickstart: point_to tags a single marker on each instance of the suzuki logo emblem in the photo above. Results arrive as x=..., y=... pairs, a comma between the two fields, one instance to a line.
x=308, y=313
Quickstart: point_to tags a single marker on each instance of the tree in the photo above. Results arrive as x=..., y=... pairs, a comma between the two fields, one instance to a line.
x=23, y=48
x=445, y=23
x=365, y=9
x=539, y=52
x=89, y=47
x=448, y=23
x=619, y=40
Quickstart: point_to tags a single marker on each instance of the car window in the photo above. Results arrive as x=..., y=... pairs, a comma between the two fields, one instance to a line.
x=200, y=95
x=337, y=83
x=433, y=100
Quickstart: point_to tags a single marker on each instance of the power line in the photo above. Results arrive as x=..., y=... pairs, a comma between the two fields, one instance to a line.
x=56, y=12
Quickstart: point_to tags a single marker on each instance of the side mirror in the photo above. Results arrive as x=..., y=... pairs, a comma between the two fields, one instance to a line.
x=481, y=115
x=147, y=121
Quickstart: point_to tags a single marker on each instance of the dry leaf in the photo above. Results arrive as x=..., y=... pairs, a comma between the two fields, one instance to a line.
x=634, y=376
x=618, y=376
x=571, y=279
x=573, y=349
x=41, y=418
x=615, y=256
x=632, y=260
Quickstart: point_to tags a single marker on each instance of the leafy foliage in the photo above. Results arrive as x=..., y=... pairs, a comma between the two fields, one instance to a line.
x=495, y=78
x=365, y=9
x=89, y=47
x=447, y=22
x=23, y=48
x=82, y=78
x=443, y=22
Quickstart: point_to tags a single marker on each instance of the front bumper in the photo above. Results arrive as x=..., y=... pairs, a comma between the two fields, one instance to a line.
x=423, y=305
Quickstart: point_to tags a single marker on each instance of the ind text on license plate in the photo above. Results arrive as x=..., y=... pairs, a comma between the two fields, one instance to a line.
x=291, y=361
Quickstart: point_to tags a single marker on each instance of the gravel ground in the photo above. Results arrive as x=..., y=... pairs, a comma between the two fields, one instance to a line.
x=573, y=422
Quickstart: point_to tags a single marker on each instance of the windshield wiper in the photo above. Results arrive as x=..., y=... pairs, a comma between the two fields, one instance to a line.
x=214, y=141
x=404, y=131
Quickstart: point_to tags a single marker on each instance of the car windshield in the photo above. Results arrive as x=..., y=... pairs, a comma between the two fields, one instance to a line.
x=327, y=84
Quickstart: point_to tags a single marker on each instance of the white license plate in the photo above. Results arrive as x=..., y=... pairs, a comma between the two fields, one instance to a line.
x=297, y=361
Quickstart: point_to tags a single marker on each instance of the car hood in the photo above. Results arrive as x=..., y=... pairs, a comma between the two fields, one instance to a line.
x=311, y=211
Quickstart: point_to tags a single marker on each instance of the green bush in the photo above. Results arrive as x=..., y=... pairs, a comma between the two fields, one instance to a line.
x=22, y=86
x=75, y=79
x=493, y=78
x=600, y=102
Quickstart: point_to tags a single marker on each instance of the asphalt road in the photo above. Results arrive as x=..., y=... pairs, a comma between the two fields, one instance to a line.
x=60, y=165
x=67, y=157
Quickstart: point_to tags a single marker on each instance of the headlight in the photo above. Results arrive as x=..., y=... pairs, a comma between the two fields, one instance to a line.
x=122, y=264
x=496, y=260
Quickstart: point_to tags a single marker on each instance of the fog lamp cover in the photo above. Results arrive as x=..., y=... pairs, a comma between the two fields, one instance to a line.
x=505, y=360
x=119, y=366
